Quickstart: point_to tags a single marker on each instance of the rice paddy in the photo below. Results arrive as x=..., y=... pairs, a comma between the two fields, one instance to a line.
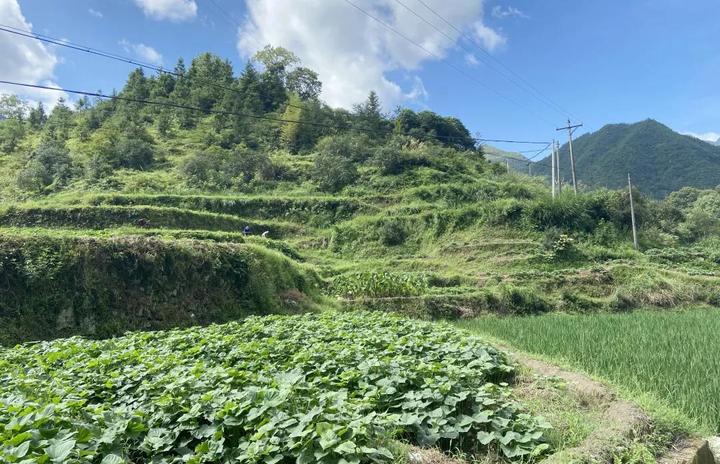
x=674, y=356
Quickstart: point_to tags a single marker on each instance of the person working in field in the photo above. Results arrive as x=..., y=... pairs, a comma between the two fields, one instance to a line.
x=246, y=231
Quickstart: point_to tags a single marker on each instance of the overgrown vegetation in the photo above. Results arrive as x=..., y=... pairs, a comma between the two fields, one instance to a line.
x=61, y=286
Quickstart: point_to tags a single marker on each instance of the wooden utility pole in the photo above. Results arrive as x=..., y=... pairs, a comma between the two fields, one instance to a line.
x=553, y=181
x=571, y=128
x=632, y=214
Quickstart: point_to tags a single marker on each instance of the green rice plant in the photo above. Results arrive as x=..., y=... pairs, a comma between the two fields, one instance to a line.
x=330, y=388
x=673, y=356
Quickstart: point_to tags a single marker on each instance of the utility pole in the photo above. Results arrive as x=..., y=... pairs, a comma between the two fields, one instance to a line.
x=529, y=168
x=557, y=167
x=552, y=176
x=571, y=128
x=507, y=166
x=632, y=213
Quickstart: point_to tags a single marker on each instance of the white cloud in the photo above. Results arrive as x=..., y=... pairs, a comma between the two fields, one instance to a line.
x=501, y=12
x=706, y=136
x=173, y=10
x=144, y=52
x=417, y=92
x=26, y=60
x=96, y=13
x=471, y=60
x=488, y=37
x=351, y=52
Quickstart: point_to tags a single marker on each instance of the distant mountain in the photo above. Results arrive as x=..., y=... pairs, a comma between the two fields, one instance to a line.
x=659, y=159
x=716, y=143
x=516, y=161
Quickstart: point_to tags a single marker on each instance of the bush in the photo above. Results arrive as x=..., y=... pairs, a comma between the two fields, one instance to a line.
x=134, y=154
x=352, y=147
x=216, y=168
x=520, y=300
x=393, y=232
x=49, y=165
x=558, y=246
x=390, y=160
x=332, y=172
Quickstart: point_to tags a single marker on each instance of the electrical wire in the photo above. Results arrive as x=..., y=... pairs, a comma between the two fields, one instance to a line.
x=539, y=95
x=113, y=56
x=441, y=59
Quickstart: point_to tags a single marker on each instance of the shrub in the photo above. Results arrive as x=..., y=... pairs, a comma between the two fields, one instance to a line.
x=558, y=246
x=393, y=232
x=216, y=168
x=352, y=147
x=390, y=160
x=521, y=300
x=134, y=153
x=49, y=165
x=332, y=172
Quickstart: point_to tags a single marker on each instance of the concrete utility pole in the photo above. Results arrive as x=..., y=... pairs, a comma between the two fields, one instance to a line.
x=571, y=128
x=632, y=213
x=507, y=166
x=553, y=181
x=557, y=168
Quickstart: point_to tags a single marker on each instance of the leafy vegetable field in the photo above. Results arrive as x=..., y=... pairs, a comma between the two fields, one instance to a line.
x=672, y=355
x=327, y=388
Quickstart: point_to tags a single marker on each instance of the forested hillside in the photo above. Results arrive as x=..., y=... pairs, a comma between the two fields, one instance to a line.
x=380, y=206
x=660, y=160
x=208, y=129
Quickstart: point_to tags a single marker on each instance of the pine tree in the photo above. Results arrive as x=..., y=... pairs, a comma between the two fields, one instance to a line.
x=37, y=116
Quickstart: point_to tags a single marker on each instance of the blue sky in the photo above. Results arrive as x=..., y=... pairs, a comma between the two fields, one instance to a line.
x=603, y=62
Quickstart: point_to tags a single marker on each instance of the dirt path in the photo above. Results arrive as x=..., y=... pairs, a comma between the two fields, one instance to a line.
x=622, y=421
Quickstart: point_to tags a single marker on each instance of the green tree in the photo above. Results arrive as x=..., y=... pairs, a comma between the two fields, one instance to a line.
x=369, y=118
x=49, y=165
x=60, y=123
x=12, y=107
x=180, y=95
x=276, y=59
x=209, y=75
x=37, y=117
x=305, y=83
x=334, y=167
x=427, y=125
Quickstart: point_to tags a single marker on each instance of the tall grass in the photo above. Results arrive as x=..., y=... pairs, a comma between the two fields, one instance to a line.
x=673, y=356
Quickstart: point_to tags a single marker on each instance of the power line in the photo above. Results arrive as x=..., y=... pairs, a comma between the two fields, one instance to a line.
x=512, y=141
x=208, y=111
x=113, y=56
x=538, y=95
x=225, y=13
x=438, y=57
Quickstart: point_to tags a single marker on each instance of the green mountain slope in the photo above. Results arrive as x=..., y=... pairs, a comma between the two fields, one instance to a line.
x=659, y=159
x=516, y=161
